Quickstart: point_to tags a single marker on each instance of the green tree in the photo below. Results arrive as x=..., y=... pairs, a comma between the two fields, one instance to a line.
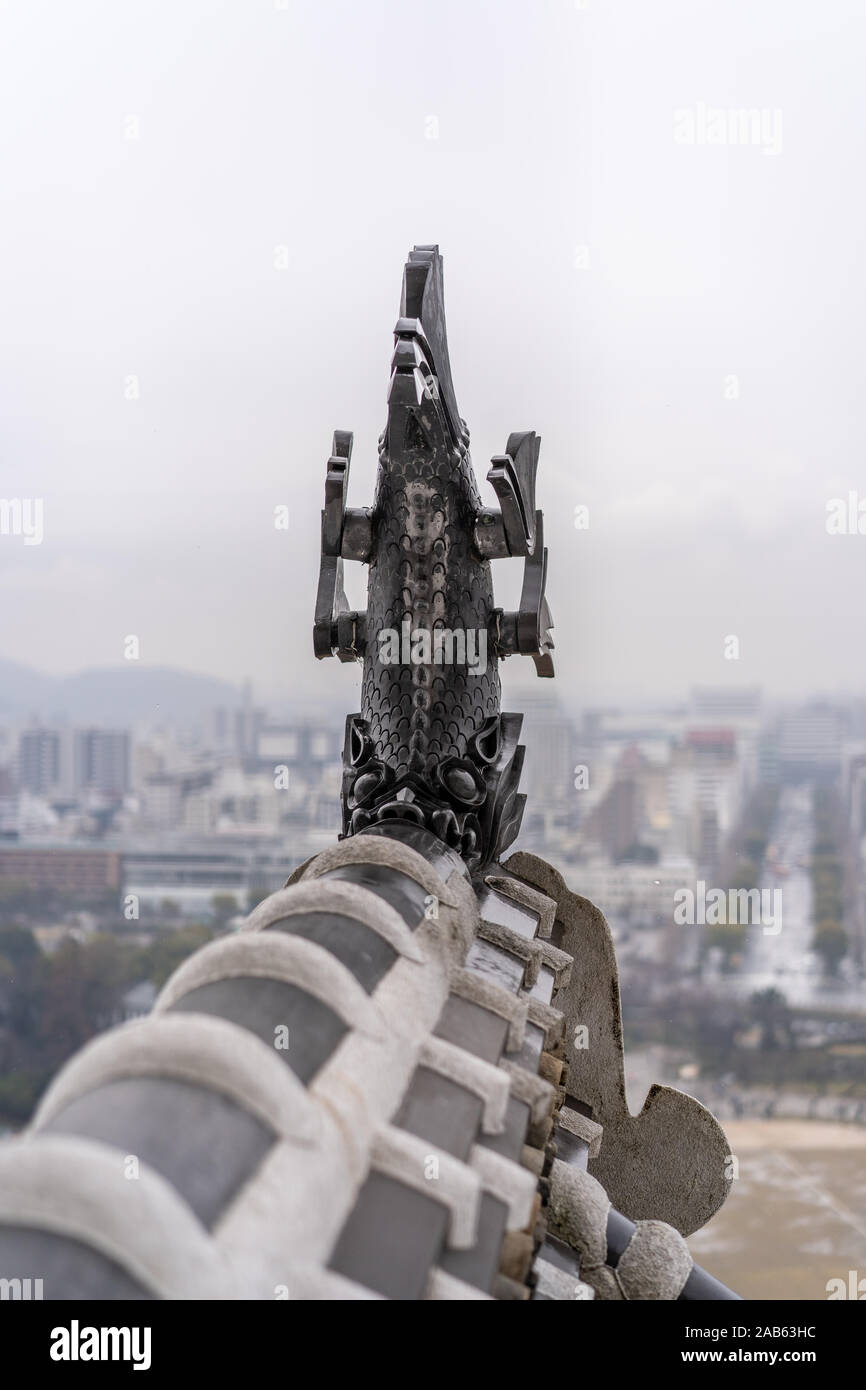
x=769, y=1009
x=16, y=895
x=18, y=945
x=225, y=905
x=170, y=948
x=831, y=943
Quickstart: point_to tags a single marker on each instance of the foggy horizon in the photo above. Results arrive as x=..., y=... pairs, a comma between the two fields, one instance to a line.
x=201, y=281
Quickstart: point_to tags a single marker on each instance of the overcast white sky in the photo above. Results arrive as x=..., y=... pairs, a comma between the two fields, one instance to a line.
x=307, y=127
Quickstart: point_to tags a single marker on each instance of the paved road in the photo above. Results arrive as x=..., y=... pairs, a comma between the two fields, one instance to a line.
x=786, y=961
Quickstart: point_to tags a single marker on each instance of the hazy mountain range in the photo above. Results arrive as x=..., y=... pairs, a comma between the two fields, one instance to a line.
x=111, y=695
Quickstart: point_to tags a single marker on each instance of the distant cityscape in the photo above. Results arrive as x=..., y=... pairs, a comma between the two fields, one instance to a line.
x=143, y=835
x=166, y=816
x=230, y=806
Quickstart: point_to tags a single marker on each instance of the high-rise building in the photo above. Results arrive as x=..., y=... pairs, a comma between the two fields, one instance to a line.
x=219, y=728
x=248, y=720
x=810, y=741
x=551, y=749
x=102, y=761
x=615, y=822
x=706, y=789
x=39, y=760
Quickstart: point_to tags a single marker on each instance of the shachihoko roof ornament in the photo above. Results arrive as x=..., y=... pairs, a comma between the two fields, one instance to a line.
x=430, y=745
